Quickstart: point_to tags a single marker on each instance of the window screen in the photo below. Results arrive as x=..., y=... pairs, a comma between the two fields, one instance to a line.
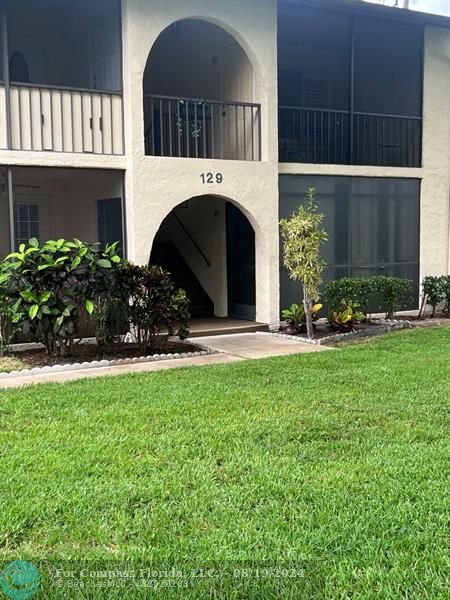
x=313, y=58
x=388, y=67
x=372, y=226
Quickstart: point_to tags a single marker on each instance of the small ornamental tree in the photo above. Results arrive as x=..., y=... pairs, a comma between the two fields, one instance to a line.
x=302, y=237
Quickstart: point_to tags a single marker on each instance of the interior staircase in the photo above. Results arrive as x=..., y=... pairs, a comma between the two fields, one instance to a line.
x=167, y=256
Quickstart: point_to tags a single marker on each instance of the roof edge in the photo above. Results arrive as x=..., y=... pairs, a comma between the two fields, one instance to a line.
x=359, y=7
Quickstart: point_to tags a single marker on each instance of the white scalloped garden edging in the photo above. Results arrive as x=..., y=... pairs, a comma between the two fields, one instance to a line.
x=98, y=364
x=382, y=326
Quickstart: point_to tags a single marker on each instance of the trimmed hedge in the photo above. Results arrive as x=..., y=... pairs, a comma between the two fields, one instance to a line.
x=379, y=294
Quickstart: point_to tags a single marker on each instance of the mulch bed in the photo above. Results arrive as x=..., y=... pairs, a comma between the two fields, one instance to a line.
x=321, y=330
x=89, y=352
x=438, y=319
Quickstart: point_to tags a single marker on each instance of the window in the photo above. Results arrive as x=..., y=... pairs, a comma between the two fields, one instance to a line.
x=18, y=68
x=372, y=226
x=26, y=222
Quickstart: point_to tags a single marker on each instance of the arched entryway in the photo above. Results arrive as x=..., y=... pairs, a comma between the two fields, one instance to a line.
x=208, y=245
x=199, y=95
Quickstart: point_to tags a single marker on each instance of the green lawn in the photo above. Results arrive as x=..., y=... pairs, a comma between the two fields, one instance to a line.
x=333, y=465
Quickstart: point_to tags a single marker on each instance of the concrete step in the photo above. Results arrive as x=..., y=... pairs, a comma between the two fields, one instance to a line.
x=218, y=326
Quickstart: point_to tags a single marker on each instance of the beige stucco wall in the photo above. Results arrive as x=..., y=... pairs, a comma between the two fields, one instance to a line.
x=434, y=252
x=154, y=186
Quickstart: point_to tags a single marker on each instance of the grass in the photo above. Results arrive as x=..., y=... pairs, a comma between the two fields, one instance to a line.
x=334, y=465
x=10, y=363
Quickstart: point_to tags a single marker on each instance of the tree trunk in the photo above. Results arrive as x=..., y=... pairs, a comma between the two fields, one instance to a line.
x=2, y=342
x=307, y=305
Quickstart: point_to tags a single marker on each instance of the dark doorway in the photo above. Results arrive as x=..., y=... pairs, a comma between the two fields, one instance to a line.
x=109, y=222
x=240, y=265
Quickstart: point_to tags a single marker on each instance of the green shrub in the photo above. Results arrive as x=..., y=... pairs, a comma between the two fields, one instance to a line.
x=7, y=327
x=445, y=290
x=105, y=328
x=48, y=289
x=394, y=293
x=346, y=316
x=432, y=290
x=436, y=290
x=352, y=289
x=377, y=294
x=153, y=305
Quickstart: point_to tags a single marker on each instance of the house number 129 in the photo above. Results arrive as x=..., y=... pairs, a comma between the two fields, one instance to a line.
x=211, y=177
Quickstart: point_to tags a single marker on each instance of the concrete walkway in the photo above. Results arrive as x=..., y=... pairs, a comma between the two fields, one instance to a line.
x=231, y=348
x=257, y=345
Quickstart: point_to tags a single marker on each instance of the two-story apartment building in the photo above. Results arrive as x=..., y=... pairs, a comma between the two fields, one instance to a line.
x=186, y=129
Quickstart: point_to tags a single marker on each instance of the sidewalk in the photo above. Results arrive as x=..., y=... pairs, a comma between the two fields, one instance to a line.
x=230, y=348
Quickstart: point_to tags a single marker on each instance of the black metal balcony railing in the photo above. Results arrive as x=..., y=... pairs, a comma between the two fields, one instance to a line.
x=313, y=135
x=387, y=140
x=310, y=135
x=195, y=128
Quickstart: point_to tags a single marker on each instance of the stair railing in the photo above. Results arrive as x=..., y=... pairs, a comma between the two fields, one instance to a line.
x=192, y=240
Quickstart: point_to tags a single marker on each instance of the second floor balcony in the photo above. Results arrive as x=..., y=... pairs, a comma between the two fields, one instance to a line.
x=313, y=135
x=60, y=77
x=194, y=128
x=350, y=89
x=199, y=96
x=61, y=119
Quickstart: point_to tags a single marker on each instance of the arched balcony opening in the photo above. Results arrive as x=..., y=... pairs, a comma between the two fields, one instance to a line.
x=199, y=97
